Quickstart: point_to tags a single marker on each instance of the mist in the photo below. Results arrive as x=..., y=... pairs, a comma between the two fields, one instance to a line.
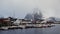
x=19, y=8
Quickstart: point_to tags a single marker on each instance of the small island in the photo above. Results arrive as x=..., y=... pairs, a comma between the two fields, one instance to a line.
x=34, y=20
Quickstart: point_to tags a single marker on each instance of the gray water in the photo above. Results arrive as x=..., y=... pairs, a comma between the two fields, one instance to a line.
x=52, y=30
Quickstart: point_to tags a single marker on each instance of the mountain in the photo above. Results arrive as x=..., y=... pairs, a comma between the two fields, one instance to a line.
x=34, y=16
x=53, y=19
x=28, y=17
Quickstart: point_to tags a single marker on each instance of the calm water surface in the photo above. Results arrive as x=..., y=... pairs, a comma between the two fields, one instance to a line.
x=52, y=30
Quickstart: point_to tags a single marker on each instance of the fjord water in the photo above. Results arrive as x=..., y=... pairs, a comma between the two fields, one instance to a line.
x=52, y=30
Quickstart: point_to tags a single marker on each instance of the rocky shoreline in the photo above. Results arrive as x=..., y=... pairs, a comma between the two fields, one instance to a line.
x=27, y=26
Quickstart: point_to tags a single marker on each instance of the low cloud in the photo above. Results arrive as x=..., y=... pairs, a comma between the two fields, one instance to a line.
x=22, y=7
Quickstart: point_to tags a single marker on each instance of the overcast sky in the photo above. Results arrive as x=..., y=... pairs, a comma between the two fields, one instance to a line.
x=21, y=7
